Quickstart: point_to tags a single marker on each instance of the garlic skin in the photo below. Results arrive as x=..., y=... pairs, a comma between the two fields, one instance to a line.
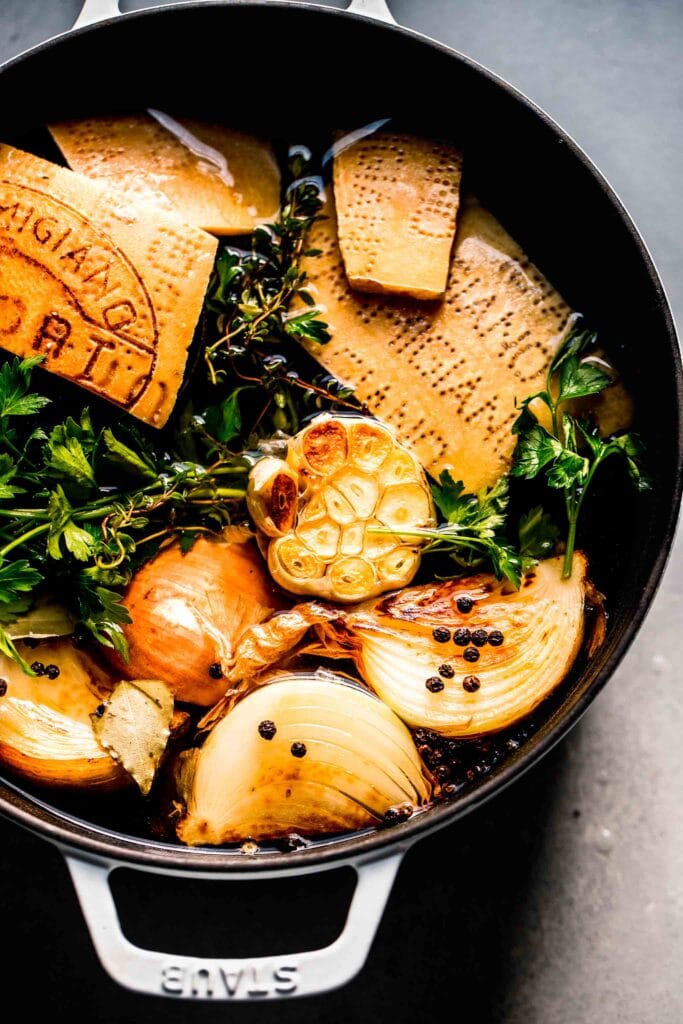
x=307, y=752
x=46, y=733
x=189, y=610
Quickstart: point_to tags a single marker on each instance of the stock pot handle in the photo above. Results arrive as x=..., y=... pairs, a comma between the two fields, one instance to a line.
x=99, y=10
x=232, y=979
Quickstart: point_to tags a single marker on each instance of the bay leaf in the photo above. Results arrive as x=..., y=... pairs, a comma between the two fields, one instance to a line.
x=134, y=727
x=47, y=618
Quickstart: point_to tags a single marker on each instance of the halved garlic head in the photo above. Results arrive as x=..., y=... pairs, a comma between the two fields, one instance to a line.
x=46, y=732
x=471, y=656
x=342, y=476
x=308, y=752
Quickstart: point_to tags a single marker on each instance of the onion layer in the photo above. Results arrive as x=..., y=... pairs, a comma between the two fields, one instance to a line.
x=46, y=733
x=463, y=657
x=306, y=753
x=541, y=626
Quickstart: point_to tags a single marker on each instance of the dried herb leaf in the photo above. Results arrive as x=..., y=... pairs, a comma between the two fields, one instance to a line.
x=135, y=726
x=46, y=619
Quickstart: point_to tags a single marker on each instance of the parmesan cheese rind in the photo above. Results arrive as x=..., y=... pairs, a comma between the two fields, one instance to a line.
x=445, y=375
x=108, y=292
x=397, y=199
x=218, y=179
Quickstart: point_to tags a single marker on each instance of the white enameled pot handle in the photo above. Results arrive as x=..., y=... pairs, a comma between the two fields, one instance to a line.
x=99, y=10
x=232, y=979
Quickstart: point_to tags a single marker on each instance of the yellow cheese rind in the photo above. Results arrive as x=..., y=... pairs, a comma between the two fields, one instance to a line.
x=397, y=199
x=218, y=179
x=445, y=375
x=109, y=294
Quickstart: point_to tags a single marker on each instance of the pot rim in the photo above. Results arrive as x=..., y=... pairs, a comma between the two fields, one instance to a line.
x=96, y=842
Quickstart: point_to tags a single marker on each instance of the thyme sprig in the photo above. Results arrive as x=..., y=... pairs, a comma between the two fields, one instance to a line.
x=262, y=308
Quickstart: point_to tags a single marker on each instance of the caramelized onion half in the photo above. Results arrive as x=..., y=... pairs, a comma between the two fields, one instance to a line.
x=308, y=752
x=541, y=626
x=463, y=657
x=46, y=733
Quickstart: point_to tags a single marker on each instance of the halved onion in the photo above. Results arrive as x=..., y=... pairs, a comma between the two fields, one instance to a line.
x=338, y=760
x=517, y=646
x=46, y=733
x=189, y=610
x=541, y=626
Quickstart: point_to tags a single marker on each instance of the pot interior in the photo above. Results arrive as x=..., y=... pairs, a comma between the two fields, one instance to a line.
x=294, y=74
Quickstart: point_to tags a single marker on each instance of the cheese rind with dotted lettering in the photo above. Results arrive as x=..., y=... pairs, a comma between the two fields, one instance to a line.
x=445, y=375
x=221, y=180
x=397, y=199
x=109, y=294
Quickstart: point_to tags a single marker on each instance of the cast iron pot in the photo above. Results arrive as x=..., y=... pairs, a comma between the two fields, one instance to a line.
x=234, y=61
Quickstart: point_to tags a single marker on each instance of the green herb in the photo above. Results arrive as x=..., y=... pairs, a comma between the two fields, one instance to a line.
x=262, y=309
x=570, y=453
x=473, y=531
x=81, y=508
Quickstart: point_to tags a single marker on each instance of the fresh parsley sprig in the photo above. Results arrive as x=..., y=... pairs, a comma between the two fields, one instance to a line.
x=570, y=453
x=473, y=531
x=82, y=507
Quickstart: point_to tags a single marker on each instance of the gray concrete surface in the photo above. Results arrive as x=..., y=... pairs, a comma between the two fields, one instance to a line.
x=562, y=901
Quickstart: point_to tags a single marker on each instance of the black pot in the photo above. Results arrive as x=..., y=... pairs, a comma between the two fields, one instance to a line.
x=565, y=215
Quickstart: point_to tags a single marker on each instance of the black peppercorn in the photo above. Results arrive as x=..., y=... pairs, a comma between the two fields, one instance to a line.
x=451, y=788
x=3, y=687
x=395, y=815
x=38, y=668
x=52, y=671
x=461, y=637
x=441, y=634
x=479, y=637
x=447, y=671
x=215, y=670
x=99, y=710
x=442, y=772
x=496, y=638
x=267, y=729
x=434, y=684
x=471, y=684
x=471, y=654
x=465, y=604
x=298, y=749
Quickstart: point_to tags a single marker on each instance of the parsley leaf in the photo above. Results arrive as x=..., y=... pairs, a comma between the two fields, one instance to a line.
x=15, y=381
x=472, y=532
x=538, y=534
x=569, y=456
